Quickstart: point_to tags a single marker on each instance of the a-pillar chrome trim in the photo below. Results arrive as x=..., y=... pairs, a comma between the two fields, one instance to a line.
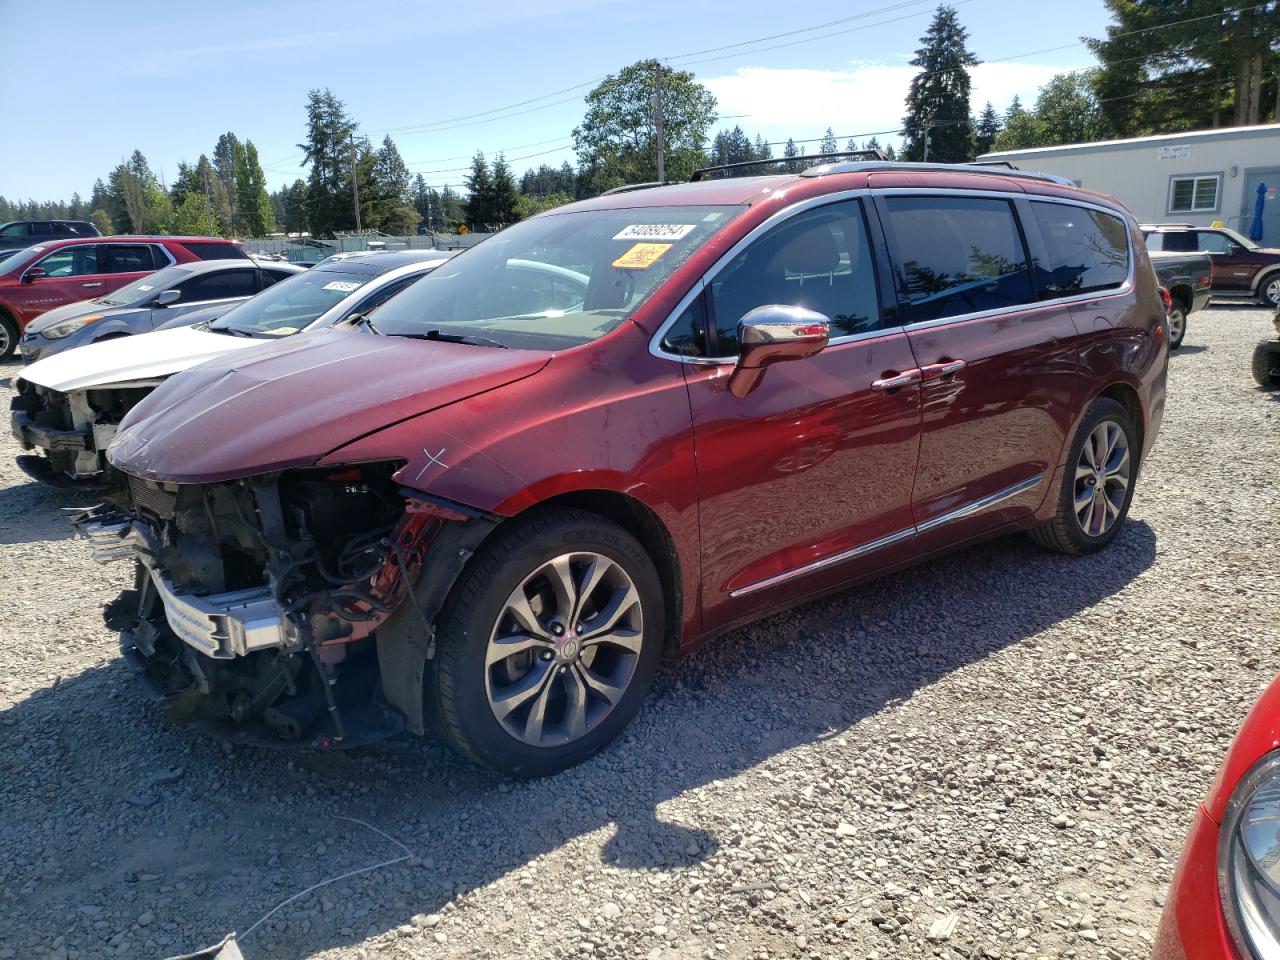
x=968, y=510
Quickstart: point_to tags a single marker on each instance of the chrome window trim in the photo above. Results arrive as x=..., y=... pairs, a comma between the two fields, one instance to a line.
x=800, y=206
x=960, y=513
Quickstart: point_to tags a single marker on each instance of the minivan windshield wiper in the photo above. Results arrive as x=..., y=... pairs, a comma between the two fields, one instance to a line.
x=234, y=331
x=453, y=338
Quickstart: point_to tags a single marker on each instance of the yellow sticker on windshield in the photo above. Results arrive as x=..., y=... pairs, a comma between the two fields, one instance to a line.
x=641, y=256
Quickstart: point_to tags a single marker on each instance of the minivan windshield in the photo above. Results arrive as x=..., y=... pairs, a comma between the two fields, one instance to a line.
x=149, y=285
x=286, y=307
x=555, y=281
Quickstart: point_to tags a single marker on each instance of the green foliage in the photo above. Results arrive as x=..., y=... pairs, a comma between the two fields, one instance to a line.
x=528, y=205
x=938, y=101
x=1188, y=64
x=985, y=130
x=102, y=220
x=256, y=218
x=547, y=180
x=828, y=144
x=194, y=215
x=134, y=199
x=226, y=160
x=330, y=153
x=479, y=183
x=1066, y=111
x=617, y=141
x=385, y=201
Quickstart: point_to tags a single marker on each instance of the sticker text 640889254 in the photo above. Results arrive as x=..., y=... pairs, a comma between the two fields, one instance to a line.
x=655, y=231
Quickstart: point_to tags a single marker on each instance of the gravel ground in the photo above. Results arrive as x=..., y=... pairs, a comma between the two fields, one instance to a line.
x=994, y=755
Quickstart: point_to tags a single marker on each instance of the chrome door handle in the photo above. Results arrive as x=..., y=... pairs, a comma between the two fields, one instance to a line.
x=942, y=371
x=91, y=284
x=897, y=381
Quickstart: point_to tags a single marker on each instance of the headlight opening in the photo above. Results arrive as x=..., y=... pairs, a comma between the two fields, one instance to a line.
x=1249, y=860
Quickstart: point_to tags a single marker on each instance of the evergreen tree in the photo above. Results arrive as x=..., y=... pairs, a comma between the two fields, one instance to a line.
x=252, y=202
x=77, y=210
x=985, y=131
x=389, y=192
x=761, y=150
x=938, y=101
x=828, y=144
x=134, y=199
x=330, y=153
x=295, y=207
x=791, y=150
x=451, y=209
x=478, y=209
x=1015, y=110
x=504, y=194
x=226, y=161
x=1066, y=111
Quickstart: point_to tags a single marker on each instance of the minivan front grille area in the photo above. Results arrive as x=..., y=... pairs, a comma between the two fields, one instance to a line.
x=152, y=498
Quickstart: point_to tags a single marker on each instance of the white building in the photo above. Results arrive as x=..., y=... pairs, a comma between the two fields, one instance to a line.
x=1198, y=178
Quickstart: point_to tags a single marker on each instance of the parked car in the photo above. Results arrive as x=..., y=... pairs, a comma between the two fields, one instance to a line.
x=1241, y=268
x=1187, y=277
x=17, y=234
x=148, y=302
x=67, y=406
x=48, y=275
x=1224, y=902
x=496, y=505
x=1266, y=358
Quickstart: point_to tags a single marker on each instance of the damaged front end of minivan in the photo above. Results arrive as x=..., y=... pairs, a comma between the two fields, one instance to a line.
x=290, y=607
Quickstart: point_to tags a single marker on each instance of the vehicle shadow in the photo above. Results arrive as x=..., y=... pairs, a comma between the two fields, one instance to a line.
x=32, y=512
x=85, y=771
x=1185, y=349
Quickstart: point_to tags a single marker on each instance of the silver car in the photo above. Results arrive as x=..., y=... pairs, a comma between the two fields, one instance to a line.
x=149, y=302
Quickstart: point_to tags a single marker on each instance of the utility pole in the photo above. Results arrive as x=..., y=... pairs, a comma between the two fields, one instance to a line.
x=355, y=180
x=208, y=201
x=657, y=114
x=926, y=143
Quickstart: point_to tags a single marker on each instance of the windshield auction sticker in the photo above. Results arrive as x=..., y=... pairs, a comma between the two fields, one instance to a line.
x=641, y=256
x=342, y=286
x=655, y=231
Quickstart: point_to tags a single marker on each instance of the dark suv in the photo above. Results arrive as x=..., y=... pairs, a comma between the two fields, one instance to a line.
x=1241, y=268
x=620, y=428
x=23, y=233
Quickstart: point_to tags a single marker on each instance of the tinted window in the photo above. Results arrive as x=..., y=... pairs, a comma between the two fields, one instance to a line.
x=1181, y=242
x=42, y=229
x=1087, y=250
x=14, y=231
x=819, y=259
x=218, y=286
x=161, y=257
x=76, y=261
x=1212, y=242
x=957, y=255
x=135, y=258
x=270, y=276
x=688, y=335
x=215, y=251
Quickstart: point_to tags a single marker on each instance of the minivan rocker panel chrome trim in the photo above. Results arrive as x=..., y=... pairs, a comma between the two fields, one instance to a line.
x=526, y=491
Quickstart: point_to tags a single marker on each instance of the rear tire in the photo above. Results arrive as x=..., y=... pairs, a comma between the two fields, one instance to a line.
x=1269, y=290
x=1097, y=483
x=1266, y=364
x=8, y=337
x=1177, y=325
x=578, y=602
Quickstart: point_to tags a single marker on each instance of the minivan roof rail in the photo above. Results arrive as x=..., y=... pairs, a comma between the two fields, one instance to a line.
x=1160, y=226
x=892, y=165
x=731, y=168
x=628, y=187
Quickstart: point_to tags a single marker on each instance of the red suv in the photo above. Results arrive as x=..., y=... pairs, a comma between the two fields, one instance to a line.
x=619, y=428
x=52, y=274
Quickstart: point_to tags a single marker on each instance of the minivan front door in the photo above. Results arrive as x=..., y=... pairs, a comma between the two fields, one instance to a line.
x=998, y=371
x=805, y=483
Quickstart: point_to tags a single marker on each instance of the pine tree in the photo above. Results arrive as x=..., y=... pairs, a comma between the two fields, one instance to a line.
x=226, y=161
x=389, y=193
x=761, y=149
x=791, y=150
x=330, y=153
x=256, y=217
x=1016, y=109
x=938, y=102
x=478, y=209
x=828, y=144
x=985, y=131
x=504, y=196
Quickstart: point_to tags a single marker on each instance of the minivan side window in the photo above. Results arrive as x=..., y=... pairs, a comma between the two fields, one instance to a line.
x=957, y=255
x=131, y=258
x=819, y=259
x=1088, y=250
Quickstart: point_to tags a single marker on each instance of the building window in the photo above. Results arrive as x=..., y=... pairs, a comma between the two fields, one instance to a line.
x=1194, y=194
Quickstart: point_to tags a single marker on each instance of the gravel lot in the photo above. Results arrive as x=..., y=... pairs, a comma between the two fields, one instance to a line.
x=994, y=755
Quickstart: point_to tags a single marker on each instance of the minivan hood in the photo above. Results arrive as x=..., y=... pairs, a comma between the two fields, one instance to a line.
x=146, y=357
x=80, y=308
x=290, y=403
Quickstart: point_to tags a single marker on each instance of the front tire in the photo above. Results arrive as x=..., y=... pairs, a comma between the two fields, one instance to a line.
x=1177, y=325
x=549, y=643
x=8, y=337
x=1266, y=364
x=1269, y=291
x=1097, y=484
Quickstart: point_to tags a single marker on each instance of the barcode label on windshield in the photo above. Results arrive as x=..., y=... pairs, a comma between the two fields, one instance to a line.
x=342, y=286
x=655, y=231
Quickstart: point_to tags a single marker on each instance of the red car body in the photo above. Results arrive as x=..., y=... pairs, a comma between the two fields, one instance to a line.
x=1194, y=925
x=815, y=430
x=22, y=300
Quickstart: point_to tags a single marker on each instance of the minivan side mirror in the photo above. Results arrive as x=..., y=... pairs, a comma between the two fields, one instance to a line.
x=772, y=334
x=166, y=297
x=32, y=274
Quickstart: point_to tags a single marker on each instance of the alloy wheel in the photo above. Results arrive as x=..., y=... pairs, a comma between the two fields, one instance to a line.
x=5, y=343
x=564, y=649
x=1102, y=478
x=1272, y=292
x=1177, y=324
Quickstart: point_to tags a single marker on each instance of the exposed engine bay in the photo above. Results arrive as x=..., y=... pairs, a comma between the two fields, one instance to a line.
x=257, y=601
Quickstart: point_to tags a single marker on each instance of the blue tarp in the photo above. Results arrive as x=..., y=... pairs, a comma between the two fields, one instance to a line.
x=1255, y=228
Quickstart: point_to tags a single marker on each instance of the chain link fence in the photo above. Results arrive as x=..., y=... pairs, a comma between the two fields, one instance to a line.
x=296, y=249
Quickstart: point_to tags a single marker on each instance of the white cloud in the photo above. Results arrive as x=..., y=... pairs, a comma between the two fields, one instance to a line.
x=863, y=98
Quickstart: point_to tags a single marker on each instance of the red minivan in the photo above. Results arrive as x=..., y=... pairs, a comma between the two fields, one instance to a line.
x=48, y=275
x=624, y=426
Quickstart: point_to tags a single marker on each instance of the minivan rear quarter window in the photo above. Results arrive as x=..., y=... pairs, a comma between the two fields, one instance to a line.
x=957, y=255
x=1088, y=250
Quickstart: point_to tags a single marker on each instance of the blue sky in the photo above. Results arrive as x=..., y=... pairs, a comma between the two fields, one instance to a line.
x=168, y=78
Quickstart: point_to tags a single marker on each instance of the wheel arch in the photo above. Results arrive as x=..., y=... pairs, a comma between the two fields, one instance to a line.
x=1127, y=396
x=1265, y=276
x=1184, y=294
